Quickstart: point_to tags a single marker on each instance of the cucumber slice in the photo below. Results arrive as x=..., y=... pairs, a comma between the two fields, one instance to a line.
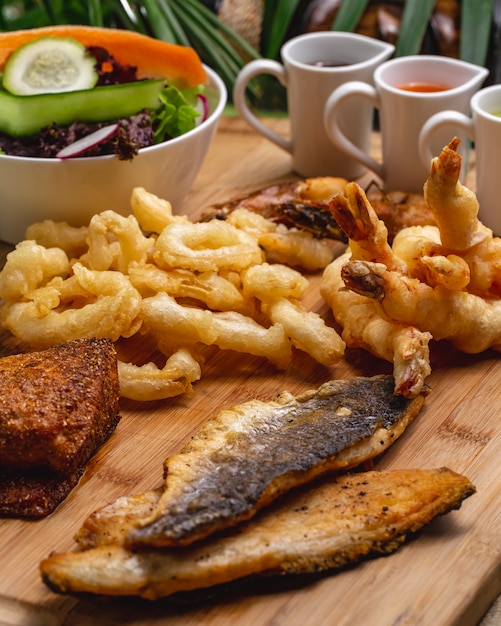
x=26, y=115
x=49, y=65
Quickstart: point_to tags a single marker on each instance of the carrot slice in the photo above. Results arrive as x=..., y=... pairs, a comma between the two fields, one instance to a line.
x=152, y=57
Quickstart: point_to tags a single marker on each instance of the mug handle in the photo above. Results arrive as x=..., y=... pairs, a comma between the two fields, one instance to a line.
x=350, y=89
x=443, y=118
x=250, y=71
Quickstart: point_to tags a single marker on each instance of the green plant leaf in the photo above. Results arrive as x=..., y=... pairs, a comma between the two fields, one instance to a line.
x=415, y=19
x=128, y=16
x=201, y=30
x=476, y=20
x=95, y=13
x=177, y=28
x=212, y=47
x=160, y=26
x=278, y=15
x=349, y=14
x=210, y=21
x=48, y=6
x=218, y=46
x=175, y=117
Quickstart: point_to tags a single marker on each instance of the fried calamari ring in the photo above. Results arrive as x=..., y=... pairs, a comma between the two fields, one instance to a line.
x=243, y=334
x=152, y=213
x=189, y=287
x=272, y=282
x=109, y=308
x=114, y=242
x=251, y=222
x=211, y=288
x=307, y=330
x=321, y=188
x=228, y=330
x=298, y=248
x=30, y=266
x=206, y=246
x=149, y=382
x=50, y=234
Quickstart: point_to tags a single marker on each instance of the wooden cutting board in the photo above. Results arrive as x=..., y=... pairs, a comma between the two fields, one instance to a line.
x=448, y=575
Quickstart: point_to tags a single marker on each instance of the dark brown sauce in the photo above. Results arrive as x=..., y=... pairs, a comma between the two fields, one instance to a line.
x=327, y=63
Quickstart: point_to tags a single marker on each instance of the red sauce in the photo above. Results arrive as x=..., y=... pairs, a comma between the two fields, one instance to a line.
x=424, y=87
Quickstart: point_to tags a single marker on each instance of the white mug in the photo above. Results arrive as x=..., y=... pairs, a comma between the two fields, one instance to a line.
x=484, y=128
x=403, y=109
x=313, y=66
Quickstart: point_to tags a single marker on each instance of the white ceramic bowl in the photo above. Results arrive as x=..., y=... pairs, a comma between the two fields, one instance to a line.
x=73, y=190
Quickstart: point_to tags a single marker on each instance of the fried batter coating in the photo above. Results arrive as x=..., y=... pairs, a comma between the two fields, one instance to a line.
x=426, y=258
x=367, y=234
x=364, y=327
x=456, y=212
x=435, y=281
x=176, y=283
x=454, y=206
x=469, y=322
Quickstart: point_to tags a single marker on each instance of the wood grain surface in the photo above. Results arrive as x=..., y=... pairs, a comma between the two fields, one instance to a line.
x=449, y=575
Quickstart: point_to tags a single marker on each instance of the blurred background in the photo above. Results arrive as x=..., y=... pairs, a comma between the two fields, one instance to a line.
x=229, y=33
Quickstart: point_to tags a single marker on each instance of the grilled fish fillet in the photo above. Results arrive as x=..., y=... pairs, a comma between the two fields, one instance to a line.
x=245, y=457
x=316, y=528
x=112, y=523
x=304, y=204
x=56, y=408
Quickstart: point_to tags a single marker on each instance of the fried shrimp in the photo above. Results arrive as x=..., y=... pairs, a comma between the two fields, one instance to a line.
x=461, y=233
x=367, y=234
x=426, y=258
x=437, y=281
x=364, y=327
x=469, y=322
x=454, y=206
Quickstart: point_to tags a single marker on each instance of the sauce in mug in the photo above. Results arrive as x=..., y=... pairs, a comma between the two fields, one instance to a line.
x=329, y=63
x=423, y=87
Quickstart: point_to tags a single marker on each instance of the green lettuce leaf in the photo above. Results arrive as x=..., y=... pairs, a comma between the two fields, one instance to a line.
x=177, y=115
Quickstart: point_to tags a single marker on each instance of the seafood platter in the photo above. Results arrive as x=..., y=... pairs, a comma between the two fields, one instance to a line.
x=276, y=405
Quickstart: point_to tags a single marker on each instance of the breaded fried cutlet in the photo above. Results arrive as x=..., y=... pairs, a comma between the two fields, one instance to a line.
x=35, y=493
x=56, y=408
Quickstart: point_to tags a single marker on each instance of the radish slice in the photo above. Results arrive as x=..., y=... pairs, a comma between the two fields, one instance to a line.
x=204, y=106
x=86, y=143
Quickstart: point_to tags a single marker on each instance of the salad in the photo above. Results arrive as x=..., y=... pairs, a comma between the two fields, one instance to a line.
x=70, y=91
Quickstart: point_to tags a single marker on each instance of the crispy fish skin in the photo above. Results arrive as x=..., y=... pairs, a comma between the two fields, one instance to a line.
x=316, y=528
x=112, y=523
x=245, y=457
